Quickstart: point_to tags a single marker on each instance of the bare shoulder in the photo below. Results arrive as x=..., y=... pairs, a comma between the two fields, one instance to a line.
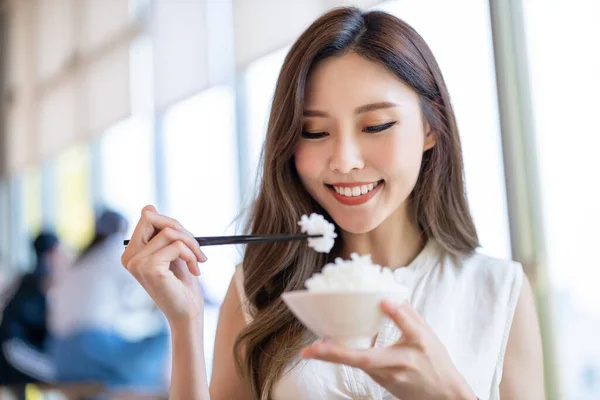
x=226, y=383
x=523, y=371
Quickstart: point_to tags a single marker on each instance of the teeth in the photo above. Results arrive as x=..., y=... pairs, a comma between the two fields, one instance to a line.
x=356, y=190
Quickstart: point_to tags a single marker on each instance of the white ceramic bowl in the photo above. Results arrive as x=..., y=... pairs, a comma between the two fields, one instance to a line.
x=350, y=319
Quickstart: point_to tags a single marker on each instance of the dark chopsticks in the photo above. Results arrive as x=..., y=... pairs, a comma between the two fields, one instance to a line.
x=243, y=239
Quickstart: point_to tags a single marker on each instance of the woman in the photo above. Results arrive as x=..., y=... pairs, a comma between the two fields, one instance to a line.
x=360, y=101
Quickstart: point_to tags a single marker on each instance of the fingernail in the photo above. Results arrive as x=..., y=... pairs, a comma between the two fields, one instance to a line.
x=203, y=257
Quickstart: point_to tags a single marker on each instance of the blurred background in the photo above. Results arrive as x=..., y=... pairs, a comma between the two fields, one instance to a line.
x=109, y=105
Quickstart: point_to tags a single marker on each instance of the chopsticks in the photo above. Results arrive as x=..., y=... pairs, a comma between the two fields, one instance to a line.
x=242, y=239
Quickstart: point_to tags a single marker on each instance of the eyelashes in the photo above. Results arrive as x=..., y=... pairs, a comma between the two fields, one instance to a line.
x=379, y=128
x=368, y=129
x=313, y=135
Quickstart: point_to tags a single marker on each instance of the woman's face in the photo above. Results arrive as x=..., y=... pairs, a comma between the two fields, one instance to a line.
x=362, y=142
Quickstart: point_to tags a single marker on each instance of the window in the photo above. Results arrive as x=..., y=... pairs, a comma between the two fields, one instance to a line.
x=472, y=87
x=74, y=210
x=127, y=167
x=32, y=188
x=259, y=86
x=202, y=185
x=201, y=175
x=4, y=228
x=567, y=143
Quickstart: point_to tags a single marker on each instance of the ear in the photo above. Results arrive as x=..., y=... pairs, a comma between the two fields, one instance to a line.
x=429, y=138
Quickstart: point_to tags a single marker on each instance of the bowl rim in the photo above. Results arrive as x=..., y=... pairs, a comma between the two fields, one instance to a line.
x=340, y=293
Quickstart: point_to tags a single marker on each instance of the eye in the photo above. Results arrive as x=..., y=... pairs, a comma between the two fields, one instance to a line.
x=379, y=128
x=314, y=135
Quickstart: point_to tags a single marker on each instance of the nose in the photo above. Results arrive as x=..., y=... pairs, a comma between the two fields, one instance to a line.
x=346, y=155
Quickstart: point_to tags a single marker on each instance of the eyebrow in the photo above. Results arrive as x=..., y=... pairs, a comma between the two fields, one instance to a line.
x=358, y=110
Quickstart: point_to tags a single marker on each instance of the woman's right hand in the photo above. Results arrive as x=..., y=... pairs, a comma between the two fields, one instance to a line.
x=164, y=258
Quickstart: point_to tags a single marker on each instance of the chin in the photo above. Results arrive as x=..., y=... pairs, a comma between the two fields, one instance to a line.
x=355, y=224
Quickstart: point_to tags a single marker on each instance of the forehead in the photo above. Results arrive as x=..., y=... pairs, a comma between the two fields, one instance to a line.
x=351, y=81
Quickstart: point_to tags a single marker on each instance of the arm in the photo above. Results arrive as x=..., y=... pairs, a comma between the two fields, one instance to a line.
x=163, y=257
x=523, y=373
x=225, y=382
x=189, y=365
x=188, y=373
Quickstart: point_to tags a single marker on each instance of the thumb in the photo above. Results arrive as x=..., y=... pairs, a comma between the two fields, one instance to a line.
x=406, y=318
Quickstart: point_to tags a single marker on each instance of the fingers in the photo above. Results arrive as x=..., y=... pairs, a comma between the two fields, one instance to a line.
x=149, y=224
x=164, y=257
x=406, y=318
x=180, y=269
x=168, y=236
x=367, y=360
x=150, y=208
x=145, y=229
x=176, y=250
x=339, y=355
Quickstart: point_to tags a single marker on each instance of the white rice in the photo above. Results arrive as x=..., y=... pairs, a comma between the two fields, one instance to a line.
x=317, y=225
x=357, y=274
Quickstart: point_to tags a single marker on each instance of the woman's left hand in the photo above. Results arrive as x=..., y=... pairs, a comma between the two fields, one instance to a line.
x=418, y=366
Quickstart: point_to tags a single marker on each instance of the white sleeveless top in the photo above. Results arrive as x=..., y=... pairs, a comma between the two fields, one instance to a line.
x=468, y=301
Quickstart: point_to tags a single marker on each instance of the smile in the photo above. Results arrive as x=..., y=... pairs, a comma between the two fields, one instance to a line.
x=355, y=193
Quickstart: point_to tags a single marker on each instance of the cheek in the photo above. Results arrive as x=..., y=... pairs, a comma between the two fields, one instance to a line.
x=308, y=162
x=401, y=157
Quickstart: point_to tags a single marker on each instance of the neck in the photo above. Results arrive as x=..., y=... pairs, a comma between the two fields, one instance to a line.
x=394, y=243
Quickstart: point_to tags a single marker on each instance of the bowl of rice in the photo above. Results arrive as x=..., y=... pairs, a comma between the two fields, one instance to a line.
x=341, y=304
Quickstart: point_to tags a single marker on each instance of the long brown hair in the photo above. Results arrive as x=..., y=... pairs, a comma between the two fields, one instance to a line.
x=438, y=202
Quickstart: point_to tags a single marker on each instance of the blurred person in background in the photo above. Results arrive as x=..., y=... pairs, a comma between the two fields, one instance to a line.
x=23, y=332
x=105, y=327
x=3, y=284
